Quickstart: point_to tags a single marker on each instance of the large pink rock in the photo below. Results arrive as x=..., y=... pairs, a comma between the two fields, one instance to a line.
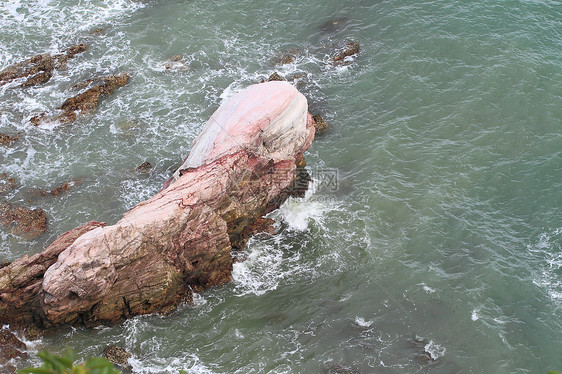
x=241, y=167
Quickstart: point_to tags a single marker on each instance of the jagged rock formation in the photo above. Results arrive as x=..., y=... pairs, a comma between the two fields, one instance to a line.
x=84, y=102
x=352, y=48
x=242, y=166
x=39, y=68
x=10, y=347
x=23, y=221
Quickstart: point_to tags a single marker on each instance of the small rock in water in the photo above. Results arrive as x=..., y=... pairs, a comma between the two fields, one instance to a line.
x=286, y=57
x=338, y=368
x=39, y=68
x=117, y=355
x=6, y=183
x=60, y=189
x=38, y=119
x=275, y=77
x=23, y=221
x=7, y=139
x=176, y=63
x=352, y=48
x=319, y=123
x=144, y=167
x=97, y=31
x=87, y=101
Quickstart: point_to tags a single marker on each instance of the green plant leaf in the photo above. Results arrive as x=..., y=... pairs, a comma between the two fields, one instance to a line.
x=98, y=362
x=39, y=370
x=53, y=362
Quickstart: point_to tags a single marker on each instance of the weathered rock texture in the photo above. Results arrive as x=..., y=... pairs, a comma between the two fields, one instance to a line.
x=21, y=280
x=85, y=102
x=23, y=221
x=319, y=123
x=117, y=355
x=7, y=139
x=352, y=48
x=242, y=166
x=6, y=183
x=10, y=347
x=39, y=68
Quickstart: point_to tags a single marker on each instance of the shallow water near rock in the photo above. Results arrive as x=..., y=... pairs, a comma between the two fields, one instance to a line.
x=432, y=238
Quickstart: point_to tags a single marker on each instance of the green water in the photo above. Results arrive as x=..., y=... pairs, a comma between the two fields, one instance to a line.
x=442, y=236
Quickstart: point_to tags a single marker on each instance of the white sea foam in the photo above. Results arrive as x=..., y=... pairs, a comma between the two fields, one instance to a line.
x=361, y=322
x=198, y=300
x=298, y=213
x=475, y=316
x=427, y=289
x=548, y=251
x=189, y=363
x=263, y=268
x=434, y=350
x=48, y=16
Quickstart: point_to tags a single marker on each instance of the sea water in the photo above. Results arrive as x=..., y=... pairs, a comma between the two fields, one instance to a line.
x=431, y=241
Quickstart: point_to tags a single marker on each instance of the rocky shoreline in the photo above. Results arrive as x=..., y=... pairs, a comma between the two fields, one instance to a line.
x=247, y=162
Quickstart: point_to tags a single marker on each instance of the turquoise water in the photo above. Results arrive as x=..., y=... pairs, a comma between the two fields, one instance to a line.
x=442, y=237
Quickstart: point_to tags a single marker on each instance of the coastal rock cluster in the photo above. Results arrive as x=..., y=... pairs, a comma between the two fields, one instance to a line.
x=86, y=101
x=18, y=219
x=247, y=161
x=39, y=68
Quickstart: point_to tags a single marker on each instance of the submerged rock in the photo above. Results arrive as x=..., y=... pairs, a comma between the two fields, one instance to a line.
x=60, y=189
x=240, y=168
x=144, y=167
x=23, y=221
x=7, y=140
x=286, y=57
x=39, y=68
x=334, y=24
x=85, y=102
x=176, y=63
x=351, y=48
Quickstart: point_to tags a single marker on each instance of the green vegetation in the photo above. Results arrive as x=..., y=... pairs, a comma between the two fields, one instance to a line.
x=65, y=365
